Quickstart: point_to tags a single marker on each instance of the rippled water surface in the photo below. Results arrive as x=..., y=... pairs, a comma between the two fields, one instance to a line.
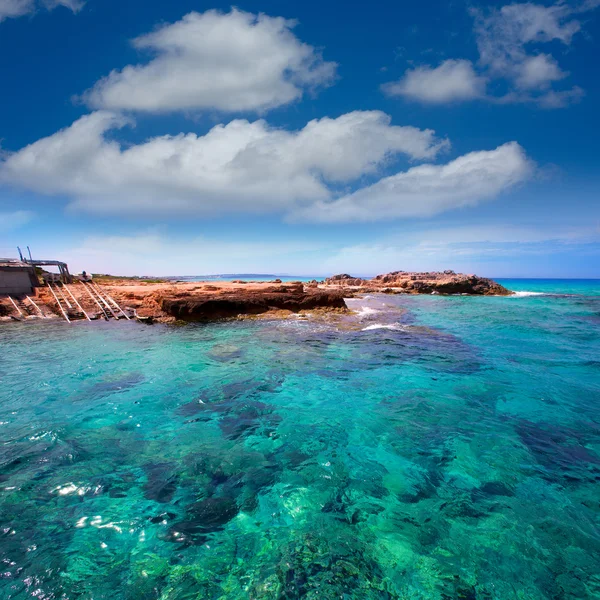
x=434, y=448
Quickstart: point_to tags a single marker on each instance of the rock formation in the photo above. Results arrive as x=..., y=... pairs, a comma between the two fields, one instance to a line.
x=168, y=301
x=447, y=282
x=251, y=302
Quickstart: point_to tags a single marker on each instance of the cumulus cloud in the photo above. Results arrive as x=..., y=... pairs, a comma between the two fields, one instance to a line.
x=242, y=166
x=538, y=72
x=251, y=167
x=429, y=189
x=18, y=8
x=15, y=8
x=451, y=81
x=215, y=61
x=508, y=40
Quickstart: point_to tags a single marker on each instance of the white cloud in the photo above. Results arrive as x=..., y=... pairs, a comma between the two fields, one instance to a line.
x=228, y=62
x=429, y=189
x=503, y=33
x=507, y=39
x=18, y=8
x=538, y=72
x=10, y=221
x=241, y=166
x=15, y=8
x=453, y=80
x=560, y=99
x=74, y=5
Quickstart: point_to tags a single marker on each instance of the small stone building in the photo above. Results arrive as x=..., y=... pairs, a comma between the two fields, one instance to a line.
x=16, y=278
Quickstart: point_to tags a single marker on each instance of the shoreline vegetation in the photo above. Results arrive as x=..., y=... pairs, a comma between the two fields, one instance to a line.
x=150, y=299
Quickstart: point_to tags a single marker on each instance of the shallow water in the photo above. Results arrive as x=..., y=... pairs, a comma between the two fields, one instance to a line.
x=442, y=447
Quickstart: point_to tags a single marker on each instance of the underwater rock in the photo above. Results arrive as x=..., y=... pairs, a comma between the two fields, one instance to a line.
x=162, y=483
x=314, y=567
x=213, y=513
x=496, y=488
x=460, y=506
x=203, y=517
x=247, y=418
x=560, y=450
x=189, y=409
x=225, y=352
x=111, y=385
x=239, y=415
x=166, y=516
x=422, y=489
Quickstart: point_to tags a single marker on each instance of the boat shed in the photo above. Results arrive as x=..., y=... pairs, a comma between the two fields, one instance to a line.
x=17, y=278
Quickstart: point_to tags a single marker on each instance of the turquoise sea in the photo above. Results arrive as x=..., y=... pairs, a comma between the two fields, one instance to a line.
x=428, y=448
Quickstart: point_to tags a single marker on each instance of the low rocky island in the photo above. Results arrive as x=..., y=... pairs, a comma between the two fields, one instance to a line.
x=407, y=282
x=170, y=301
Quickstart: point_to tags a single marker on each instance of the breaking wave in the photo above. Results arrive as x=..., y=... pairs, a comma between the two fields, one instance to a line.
x=366, y=311
x=392, y=326
x=525, y=294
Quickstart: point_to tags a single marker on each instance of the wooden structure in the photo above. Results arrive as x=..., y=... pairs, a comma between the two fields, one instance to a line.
x=17, y=278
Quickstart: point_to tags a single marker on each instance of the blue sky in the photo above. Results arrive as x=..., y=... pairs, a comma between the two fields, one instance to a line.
x=302, y=137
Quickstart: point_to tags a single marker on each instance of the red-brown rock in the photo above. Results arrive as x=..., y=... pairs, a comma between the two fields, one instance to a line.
x=447, y=282
x=194, y=308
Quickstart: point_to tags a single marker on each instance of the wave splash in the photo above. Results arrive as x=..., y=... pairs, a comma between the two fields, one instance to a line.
x=366, y=311
x=525, y=294
x=391, y=326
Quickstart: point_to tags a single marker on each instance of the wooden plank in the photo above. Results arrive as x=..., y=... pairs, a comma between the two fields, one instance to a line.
x=95, y=300
x=63, y=297
x=37, y=307
x=15, y=305
x=114, y=314
x=115, y=303
x=59, y=304
x=76, y=302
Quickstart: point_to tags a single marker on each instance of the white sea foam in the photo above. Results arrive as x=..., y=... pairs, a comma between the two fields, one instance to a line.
x=366, y=311
x=525, y=294
x=392, y=326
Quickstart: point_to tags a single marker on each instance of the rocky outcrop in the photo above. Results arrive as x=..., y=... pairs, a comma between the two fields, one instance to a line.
x=431, y=282
x=345, y=280
x=227, y=305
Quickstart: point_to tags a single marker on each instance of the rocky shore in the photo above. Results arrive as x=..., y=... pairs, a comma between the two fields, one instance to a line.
x=167, y=301
x=235, y=302
x=405, y=282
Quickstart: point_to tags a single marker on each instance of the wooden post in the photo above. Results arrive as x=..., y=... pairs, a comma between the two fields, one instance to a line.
x=59, y=304
x=95, y=300
x=76, y=302
x=15, y=305
x=37, y=307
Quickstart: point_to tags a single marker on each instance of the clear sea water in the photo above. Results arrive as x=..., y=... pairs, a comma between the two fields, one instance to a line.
x=428, y=448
